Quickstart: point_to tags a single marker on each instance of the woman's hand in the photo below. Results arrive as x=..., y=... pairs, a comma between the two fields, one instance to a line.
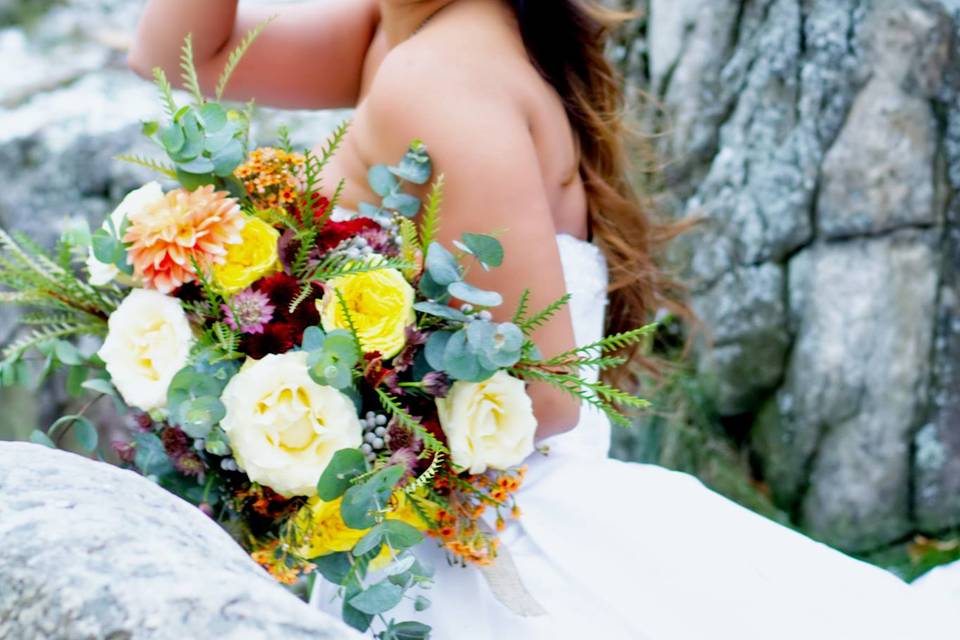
x=311, y=56
x=479, y=139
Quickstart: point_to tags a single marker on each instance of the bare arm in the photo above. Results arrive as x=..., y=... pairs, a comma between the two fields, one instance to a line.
x=481, y=143
x=311, y=56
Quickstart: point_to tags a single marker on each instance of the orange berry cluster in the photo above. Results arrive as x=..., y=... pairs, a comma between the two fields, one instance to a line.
x=272, y=176
x=459, y=528
x=285, y=567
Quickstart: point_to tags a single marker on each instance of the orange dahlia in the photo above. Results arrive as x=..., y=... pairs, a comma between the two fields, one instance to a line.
x=183, y=229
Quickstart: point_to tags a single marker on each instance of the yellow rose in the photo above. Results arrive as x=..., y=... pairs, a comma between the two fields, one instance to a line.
x=283, y=427
x=322, y=531
x=253, y=258
x=488, y=424
x=380, y=304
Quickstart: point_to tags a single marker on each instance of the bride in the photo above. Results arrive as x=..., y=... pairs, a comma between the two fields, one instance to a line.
x=522, y=115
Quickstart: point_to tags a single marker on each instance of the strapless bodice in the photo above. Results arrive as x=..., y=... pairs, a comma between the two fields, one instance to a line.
x=585, y=274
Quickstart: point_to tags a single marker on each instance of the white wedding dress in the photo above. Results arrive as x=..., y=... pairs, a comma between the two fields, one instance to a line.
x=619, y=551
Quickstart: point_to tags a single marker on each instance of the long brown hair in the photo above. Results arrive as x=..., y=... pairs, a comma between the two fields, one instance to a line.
x=566, y=40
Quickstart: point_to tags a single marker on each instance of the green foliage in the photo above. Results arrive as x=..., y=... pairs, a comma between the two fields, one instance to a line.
x=188, y=69
x=193, y=397
x=160, y=167
x=166, y=92
x=430, y=221
x=388, y=182
x=530, y=324
x=345, y=466
x=410, y=423
x=332, y=356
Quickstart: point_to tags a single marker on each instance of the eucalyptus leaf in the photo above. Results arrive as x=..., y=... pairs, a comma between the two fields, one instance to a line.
x=173, y=139
x=86, y=434
x=403, y=203
x=436, y=347
x=345, y=465
x=357, y=619
x=412, y=630
x=367, y=210
x=487, y=249
x=415, y=166
x=379, y=598
x=199, y=415
x=431, y=290
x=442, y=265
x=473, y=295
x=313, y=339
x=228, y=158
x=39, y=437
x=151, y=457
x=67, y=353
x=149, y=128
x=198, y=165
x=216, y=442
x=382, y=182
x=363, y=500
x=334, y=567
x=192, y=181
x=213, y=116
x=459, y=360
x=441, y=311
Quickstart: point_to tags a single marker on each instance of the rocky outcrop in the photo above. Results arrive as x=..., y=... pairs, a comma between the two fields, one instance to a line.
x=820, y=142
x=91, y=551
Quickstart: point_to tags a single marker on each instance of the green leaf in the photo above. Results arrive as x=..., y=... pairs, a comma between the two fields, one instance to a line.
x=149, y=128
x=403, y=203
x=400, y=535
x=473, y=295
x=192, y=181
x=381, y=180
x=334, y=567
x=173, y=139
x=379, y=598
x=353, y=616
x=415, y=166
x=76, y=376
x=459, y=360
x=313, y=339
x=213, y=116
x=436, y=347
x=228, y=159
x=100, y=385
x=217, y=443
x=345, y=465
x=67, y=353
x=486, y=249
x=198, y=165
x=199, y=415
x=441, y=311
x=86, y=435
x=430, y=289
x=422, y=603
x=39, y=437
x=441, y=265
x=498, y=345
x=412, y=630
x=106, y=247
x=151, y=458
x=362, y=501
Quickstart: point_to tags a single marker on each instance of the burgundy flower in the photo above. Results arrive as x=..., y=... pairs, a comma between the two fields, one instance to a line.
x=277, y=337
x=124, y=450
x=415, y=339
x=333, y=233
x=175, y=442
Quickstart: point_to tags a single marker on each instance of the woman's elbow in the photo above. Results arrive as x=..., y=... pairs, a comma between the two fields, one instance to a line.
x=557, y=412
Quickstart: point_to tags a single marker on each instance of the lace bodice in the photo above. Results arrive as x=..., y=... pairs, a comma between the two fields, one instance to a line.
x=585, y=273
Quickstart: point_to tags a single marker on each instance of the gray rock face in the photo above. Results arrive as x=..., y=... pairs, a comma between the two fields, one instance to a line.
x=819, y=140
x=91, y=551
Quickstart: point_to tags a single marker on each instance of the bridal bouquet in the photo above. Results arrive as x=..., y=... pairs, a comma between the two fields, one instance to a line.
x=298, y=374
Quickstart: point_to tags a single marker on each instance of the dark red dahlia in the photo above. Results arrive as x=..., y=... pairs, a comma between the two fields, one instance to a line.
x=333, y=233
x=277, y=337
x=175, y=442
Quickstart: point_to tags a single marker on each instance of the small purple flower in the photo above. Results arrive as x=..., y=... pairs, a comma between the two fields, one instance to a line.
x=406, y=458
x=437, y=384
x=249, y=311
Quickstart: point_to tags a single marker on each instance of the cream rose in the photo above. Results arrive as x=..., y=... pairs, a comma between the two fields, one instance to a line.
x=101, y=273
x=488, y=424
x=284, y=428
x=148, y=342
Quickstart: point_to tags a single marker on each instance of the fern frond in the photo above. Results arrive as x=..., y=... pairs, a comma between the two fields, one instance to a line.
x=307, y=240
x=283, y=138
x=338, y=266
x=156, y=165
x=613, y=342
x=597, y=394
x=407, y=421
x=348, y=317
x=45, y=319
x=410, y=246
x=300, y=298
x=426, y=478
x=541, y=318
x=188, y=69
x=522, y=308
x=430, y=220
x=237, y=55
x=226, y=340
x=213, y=298
x=166, y=92
x=56, y=332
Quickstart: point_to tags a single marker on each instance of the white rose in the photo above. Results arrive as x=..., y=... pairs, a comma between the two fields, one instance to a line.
x=148, y=342
x=102, y=274
x=283, y=427
x=489, y=423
